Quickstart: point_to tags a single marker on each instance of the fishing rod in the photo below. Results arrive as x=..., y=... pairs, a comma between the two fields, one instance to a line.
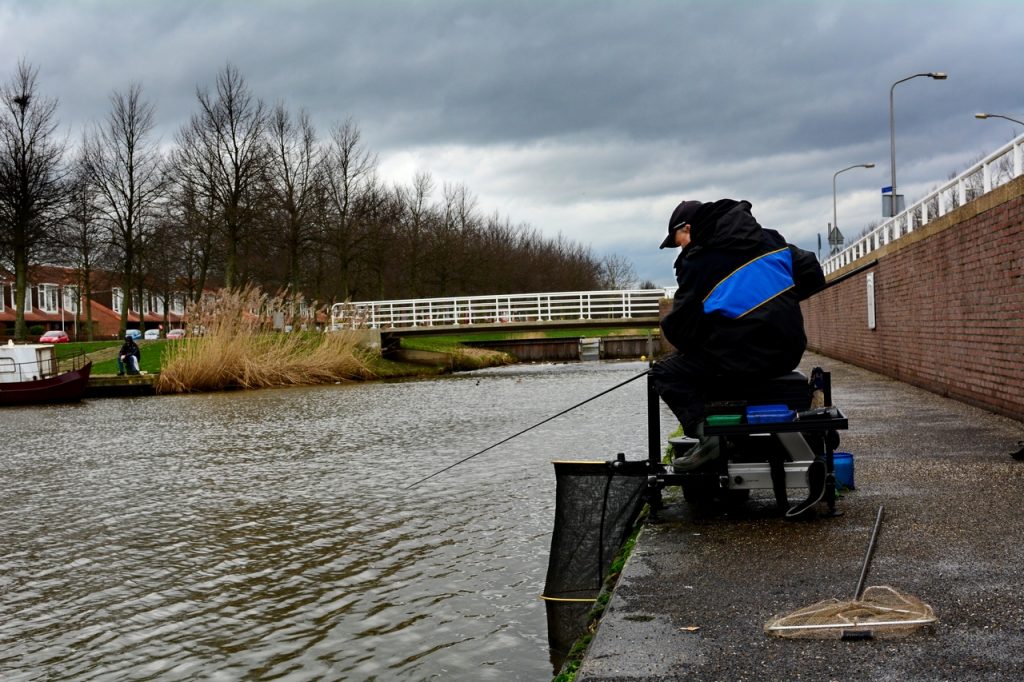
x=843, y=277
x=515, y=435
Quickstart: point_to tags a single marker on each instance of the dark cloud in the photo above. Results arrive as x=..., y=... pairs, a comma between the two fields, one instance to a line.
x=586, y=118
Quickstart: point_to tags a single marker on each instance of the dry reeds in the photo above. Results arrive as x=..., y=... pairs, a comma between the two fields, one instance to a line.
x=236, y=346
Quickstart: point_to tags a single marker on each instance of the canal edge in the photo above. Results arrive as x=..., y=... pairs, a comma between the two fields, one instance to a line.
x=577, y=655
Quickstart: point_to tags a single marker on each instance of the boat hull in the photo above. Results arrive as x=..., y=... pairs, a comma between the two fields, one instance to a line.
x=63, y=388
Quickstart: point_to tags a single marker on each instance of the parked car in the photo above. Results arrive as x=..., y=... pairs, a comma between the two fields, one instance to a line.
x=151, y=334
x=54, y=336
x=176, y=334
x=135, y=334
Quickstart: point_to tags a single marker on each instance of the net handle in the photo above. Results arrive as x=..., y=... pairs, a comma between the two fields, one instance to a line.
x=867, y=557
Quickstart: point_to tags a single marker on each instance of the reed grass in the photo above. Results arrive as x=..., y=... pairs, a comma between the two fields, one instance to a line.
x=237, y=347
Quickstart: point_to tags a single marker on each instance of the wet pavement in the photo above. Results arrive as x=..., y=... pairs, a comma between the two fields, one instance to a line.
x=693, y=598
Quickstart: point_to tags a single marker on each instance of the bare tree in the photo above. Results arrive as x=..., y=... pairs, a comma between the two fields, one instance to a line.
x=160, y=260
x=196, y=214
x=31, y=179
x=83, y=240
x=222, y=150
x=416, y=226
x=349, y=171
x=447, y=241
x=616, y=273
x=293, y=172
x=123, y=164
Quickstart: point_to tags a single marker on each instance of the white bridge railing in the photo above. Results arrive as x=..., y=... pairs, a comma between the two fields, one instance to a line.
x=995, y=169
x=469, y=310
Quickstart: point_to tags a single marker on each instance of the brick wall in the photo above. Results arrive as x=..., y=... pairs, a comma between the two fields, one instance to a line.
x=949, y=306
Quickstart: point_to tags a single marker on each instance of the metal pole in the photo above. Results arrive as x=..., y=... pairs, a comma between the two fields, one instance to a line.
x=935, y=75
x=867, y=557
x=892, y=152
x=835, y=220
x=653, y=422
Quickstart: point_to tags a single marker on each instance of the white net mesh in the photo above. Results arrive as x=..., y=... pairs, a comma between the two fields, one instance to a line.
x=881, y=611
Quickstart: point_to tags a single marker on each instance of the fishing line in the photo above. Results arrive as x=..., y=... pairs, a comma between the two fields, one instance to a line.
x=515, y=435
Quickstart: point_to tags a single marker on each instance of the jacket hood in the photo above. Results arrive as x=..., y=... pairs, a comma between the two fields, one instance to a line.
x=725, y=224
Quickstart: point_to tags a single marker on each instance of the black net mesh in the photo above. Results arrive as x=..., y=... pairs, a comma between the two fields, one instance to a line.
x=596, y=505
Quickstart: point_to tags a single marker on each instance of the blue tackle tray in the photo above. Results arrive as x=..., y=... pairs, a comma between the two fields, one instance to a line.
x=769, y=414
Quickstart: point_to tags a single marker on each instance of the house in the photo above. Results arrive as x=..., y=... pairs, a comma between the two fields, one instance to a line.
x=53, y=303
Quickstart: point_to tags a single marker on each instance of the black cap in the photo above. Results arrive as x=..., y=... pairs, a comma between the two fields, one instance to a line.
x=682, y=215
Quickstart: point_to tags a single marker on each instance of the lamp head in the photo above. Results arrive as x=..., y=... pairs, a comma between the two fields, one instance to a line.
x=869, y=165
x=938, y=75
x=980, y=115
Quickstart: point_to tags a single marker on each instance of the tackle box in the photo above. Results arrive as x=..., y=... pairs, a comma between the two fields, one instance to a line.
x=769, y=414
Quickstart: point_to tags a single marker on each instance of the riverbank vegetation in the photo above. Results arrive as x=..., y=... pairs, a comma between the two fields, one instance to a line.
x=238, y=348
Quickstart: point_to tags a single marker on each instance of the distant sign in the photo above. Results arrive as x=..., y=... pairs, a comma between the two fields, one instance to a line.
x=887, y=190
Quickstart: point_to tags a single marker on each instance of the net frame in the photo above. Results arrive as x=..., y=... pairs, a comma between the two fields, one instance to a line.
x=878, y=611
x=883, y=611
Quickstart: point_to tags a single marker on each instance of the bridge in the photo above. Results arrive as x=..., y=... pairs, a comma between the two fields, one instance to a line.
x=519, y=312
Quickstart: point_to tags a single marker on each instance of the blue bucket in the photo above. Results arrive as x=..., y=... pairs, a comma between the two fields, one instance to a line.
x=844, y=469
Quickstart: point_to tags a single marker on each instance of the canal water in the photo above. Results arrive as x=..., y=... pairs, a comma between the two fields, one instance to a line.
x=270, y=535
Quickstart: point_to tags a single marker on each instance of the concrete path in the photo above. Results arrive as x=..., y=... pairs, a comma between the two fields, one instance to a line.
x=952, y=535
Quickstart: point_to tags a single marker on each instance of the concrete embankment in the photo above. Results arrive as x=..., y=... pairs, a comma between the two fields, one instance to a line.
x=694, y=596
x=110, y=386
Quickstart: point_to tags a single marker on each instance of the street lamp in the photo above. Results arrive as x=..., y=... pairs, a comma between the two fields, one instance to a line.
x=935, y=75
x=983, y=116
x=835, y=220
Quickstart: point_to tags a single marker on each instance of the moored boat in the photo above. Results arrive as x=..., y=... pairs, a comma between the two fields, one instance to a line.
x=31, y=374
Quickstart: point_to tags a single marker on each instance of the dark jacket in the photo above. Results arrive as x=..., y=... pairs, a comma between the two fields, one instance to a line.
x=129, y=347
x=740, y=287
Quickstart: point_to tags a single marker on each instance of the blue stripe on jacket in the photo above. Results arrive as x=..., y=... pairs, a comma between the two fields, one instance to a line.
x=752, y=285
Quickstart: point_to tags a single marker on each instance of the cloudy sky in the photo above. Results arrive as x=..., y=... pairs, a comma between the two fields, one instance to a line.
x=587, y=118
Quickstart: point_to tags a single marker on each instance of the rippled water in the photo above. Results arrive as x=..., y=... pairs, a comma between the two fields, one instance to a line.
x=268, y=534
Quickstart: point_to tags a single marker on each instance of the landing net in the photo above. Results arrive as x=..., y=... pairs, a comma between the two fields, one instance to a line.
x=596, y=506
x=882, y=611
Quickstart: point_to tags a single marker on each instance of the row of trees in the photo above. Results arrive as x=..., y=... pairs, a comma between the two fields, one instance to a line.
x=252, y=194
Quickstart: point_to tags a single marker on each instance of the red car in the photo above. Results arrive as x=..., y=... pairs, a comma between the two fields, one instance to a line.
x=54, y=336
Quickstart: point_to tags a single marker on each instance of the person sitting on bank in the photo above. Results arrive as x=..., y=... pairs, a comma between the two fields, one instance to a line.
x=128, y=357
x=736, y=312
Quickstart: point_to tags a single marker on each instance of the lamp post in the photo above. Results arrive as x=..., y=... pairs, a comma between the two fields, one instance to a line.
x=835, y=220
x=984, y=116
x=935, y=75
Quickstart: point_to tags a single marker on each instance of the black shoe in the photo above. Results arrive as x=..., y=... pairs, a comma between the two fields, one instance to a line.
x=120, y=374
x=816, y=474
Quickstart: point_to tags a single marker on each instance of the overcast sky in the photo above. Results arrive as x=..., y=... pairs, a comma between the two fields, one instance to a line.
x=592, y=119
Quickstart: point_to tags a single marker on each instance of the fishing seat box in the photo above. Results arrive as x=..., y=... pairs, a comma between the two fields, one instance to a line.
x=732, y=395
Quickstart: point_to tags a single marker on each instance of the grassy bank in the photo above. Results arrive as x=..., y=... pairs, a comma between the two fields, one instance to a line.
x=440, y=341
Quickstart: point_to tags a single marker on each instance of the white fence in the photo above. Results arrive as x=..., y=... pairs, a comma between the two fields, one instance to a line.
x=469, y=310
x=996, y=169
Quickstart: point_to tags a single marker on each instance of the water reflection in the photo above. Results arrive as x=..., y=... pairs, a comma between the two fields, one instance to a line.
x=268, y=534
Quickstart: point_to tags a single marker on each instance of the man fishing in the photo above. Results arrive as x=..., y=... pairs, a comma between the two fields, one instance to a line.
x=736, y=312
